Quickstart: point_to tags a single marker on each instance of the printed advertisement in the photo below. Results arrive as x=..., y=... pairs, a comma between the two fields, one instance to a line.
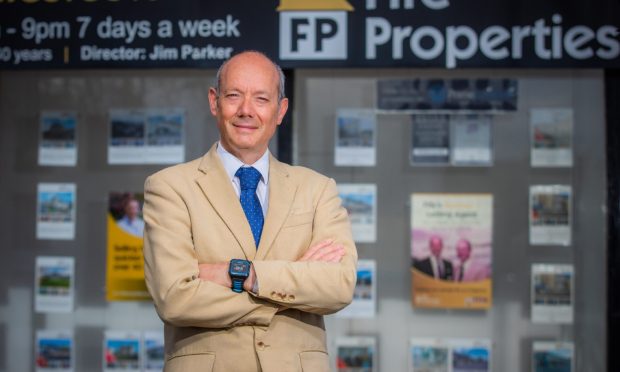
x=550, y=214
x=54, y=284
x=549, y=356
x=121, y=351
x=449, y=355
x=146, y=136
x=471, y=355
x=447, y=95
x=429, y=355
x=430, y=140
x=365, y=296
x=356, y=138
x=551, y=137
x=356, y=354
x=471, y=140
x=154, y=353
x=360, y=201
x=54, y=351
x=125, y=262
x=451, y=250
x=552, y=293
x=58, y=140
x=56, y=211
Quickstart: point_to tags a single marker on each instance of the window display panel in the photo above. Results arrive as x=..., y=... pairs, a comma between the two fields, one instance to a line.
x=510, y=169
x=75, y=215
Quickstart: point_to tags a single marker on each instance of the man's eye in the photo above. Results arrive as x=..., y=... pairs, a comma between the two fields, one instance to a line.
x=263, y=99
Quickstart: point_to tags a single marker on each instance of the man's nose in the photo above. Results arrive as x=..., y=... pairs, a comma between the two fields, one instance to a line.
x=246, y=107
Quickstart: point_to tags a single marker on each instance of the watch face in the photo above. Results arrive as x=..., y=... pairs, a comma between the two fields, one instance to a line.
x=239, y=267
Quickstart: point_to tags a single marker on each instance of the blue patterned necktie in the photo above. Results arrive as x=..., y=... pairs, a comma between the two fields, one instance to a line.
x=249, y=178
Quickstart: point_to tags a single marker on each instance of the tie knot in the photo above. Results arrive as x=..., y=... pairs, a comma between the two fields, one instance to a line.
x=248, y=177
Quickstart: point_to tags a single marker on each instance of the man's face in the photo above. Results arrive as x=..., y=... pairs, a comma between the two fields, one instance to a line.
x=132, y=209
x=436, y=245
x=463, y=250
x=247, y=110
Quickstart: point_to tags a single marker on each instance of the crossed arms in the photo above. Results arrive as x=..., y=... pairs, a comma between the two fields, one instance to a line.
x=187, y=292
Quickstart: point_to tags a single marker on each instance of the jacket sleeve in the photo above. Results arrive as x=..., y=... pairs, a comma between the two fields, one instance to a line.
x=316, y=287
x=171, y=269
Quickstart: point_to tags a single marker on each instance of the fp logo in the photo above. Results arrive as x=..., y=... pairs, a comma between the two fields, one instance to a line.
x=313, y=30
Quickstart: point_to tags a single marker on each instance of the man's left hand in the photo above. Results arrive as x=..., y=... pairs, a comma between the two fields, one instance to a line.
x=218, y=273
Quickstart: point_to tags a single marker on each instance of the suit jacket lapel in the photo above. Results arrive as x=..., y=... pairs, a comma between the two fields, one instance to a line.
x=281, y=196
x=220, y=193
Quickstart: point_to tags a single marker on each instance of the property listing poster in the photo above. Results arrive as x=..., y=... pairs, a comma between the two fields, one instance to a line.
x=449, y=355
x=54, y=284
x=471, y=140
x=552, y=293
x=550, y=214
x=451, y=250
x=356, y=138
x=57, y=139
x=430, y=140
x=154, y=354
x=146, y=136
x=121, y=351
x=551, y=143
x=125, y=263
x=549, y=356
x=429, y=355
x=54, y=351
x=56, y=203
x=356, y=354
x=471, y=355
x=360, y=201
x=364, y=302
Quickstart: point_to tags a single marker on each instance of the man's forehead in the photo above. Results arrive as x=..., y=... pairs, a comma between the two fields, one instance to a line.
x=249, y=61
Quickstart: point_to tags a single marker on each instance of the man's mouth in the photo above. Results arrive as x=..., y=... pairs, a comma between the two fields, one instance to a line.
x=244, y=125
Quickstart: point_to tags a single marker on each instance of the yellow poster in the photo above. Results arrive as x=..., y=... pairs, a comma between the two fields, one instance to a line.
x=125, y=263
x=451, y=250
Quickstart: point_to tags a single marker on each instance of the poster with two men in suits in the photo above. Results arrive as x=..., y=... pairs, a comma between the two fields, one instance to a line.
x=451, y=250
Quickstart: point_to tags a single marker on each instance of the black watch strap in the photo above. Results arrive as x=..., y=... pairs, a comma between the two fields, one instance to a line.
x=237, y=284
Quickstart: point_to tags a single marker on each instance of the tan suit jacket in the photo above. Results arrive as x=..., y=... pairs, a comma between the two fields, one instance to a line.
x=193, y=215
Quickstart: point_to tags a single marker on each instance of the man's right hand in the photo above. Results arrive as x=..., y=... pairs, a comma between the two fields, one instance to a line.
x=325, y=251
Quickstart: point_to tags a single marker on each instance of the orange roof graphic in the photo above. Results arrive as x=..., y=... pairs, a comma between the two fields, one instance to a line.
x=314, y=5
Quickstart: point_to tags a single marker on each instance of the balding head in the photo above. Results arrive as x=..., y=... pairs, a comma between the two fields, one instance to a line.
x=435, y=244
x=463, y=249
x=255, y=55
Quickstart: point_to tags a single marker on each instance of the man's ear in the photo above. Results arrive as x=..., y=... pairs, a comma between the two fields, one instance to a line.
x=213, y=101
x=282, y=110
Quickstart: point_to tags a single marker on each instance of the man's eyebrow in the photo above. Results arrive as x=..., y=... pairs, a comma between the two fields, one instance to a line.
x=261, y=92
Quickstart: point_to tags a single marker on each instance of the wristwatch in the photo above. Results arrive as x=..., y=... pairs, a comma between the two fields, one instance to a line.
x=239, y=270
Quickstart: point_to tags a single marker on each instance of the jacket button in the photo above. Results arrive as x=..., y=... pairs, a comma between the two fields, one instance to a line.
x=291, y=297
x=274, y=295
x=261, y=345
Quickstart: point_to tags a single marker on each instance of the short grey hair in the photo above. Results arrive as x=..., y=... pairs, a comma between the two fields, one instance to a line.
x=218, y=75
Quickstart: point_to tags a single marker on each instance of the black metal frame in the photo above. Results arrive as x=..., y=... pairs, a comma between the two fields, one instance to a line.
x=285, y=131
x=612, y=99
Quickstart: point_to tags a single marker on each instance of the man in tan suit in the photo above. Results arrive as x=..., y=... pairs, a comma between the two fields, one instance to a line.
x=301, y=261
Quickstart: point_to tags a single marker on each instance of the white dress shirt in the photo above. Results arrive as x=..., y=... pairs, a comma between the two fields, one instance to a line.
x=232, y=164
x=437, y=265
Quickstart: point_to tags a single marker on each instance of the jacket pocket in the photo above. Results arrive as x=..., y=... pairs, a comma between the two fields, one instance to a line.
x=190, y=362
x=299, y=219
x=314, y=361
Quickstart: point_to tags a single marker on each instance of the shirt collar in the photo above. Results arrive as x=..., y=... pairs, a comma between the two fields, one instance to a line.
x=232, y=163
